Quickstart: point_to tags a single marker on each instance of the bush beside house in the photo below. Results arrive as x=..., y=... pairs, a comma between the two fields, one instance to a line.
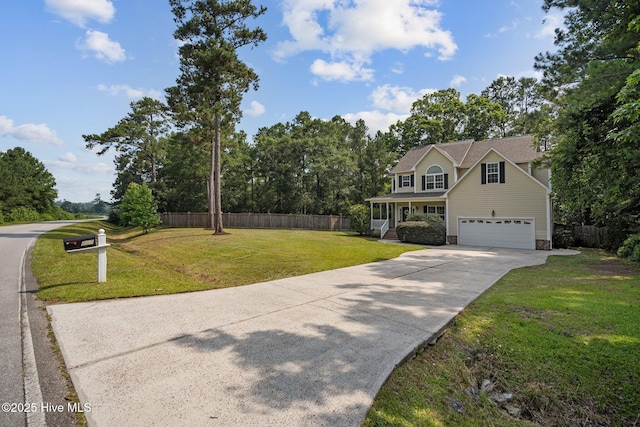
x=563, y=238
x=359, y=216
x=422, y=232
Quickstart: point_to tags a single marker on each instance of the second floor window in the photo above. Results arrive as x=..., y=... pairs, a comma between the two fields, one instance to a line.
x=406, y=181
x=434, y=178
x=493, y=173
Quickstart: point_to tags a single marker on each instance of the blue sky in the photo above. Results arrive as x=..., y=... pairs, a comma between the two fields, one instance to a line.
x=72, y=67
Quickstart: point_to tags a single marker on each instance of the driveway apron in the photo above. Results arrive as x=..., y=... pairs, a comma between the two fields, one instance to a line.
x=308, y=350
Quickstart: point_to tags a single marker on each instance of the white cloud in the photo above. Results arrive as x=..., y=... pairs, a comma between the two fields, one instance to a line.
x=457, y=80
x=80, y=11
x=504, y=29
x=70, y=161
x=69, y=158
x=129, y=92
x=375, y=120
x=255, y=109
x=398, y=68
x=343, y=71
x=102, y=47
x=351, y=31
x=552, y=21
x=94, y=168
x=396, y=98
x=29, y=132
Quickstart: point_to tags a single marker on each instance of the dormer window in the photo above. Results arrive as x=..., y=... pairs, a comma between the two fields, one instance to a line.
x=434, y=178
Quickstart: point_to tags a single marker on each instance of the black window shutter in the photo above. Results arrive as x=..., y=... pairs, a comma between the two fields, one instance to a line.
x=424, y=182
x=399, y=181
x=483, y=170
x=394, y=185
x=502, y=180
x=446, y=181
x=424, y=209
x=413, y=184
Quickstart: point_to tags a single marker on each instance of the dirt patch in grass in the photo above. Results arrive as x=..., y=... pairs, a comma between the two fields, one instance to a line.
x=614, y=268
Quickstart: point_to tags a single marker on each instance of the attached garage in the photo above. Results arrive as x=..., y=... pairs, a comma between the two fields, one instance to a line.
x=517, y=233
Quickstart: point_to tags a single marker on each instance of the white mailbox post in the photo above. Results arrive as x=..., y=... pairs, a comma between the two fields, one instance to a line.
x=89, y=243
x=102, y=256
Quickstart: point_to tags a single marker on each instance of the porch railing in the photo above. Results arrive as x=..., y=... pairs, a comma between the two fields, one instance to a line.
x=380, y=224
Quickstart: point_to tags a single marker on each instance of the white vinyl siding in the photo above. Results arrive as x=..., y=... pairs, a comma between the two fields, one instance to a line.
x=519, y=197
x=434, y=157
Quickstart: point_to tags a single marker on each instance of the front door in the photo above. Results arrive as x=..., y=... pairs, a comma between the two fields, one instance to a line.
x=405, y=213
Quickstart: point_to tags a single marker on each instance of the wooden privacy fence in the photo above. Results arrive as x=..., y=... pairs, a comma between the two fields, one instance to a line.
x=589, y=236
x=253, y=220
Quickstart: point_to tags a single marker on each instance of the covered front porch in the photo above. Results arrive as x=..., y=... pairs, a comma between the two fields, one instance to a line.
x=389, y=211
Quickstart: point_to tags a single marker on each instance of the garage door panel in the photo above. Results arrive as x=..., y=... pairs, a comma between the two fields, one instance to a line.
x=504, y=233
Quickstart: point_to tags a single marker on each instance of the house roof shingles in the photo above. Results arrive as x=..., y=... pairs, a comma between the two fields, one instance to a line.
x=518, y=149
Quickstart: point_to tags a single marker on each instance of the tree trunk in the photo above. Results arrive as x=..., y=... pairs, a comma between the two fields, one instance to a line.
x=211, y=186
x=218, y=226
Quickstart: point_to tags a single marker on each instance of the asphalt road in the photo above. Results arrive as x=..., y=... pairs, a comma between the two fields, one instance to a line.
x=31, y=386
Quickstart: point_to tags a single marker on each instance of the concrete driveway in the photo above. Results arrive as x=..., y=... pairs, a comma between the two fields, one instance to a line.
x=310, y=350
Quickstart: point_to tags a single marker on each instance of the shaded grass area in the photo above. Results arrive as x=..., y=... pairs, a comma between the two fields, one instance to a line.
x=169, y=261
x=562, y=338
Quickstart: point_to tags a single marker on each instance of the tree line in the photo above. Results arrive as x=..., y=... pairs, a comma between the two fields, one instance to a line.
x=584, y=113
x=308, y=165
x=593, y=83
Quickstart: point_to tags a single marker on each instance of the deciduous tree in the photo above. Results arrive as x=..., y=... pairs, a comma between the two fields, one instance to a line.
x=138, y=208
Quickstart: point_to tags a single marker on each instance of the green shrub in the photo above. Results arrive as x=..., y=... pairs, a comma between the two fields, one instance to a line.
x=114, y=216
x=416, y=217
x=563, y=238
x=23, y=214
x=617, y=232
x=359, y=216
x=138, y=208
x=422, y=232
x=1, y=218
x=424, y=217
x=56, y=213
x=630, y=249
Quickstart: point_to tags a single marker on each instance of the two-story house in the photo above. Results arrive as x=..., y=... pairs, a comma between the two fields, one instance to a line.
x=489, y=193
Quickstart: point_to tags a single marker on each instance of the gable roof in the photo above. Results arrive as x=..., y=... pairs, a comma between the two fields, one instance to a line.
x=518, y=149
x=513, y=163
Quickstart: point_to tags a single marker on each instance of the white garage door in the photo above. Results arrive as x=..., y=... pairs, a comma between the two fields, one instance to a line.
x=502, y=233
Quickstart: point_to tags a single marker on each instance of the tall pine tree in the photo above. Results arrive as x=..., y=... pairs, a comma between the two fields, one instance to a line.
x=213, y=79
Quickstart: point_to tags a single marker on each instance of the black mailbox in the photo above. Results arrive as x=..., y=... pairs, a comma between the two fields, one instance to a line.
x=80, y=242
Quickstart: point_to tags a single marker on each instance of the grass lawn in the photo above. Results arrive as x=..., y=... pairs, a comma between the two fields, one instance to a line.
x=167, y=261
x=562, y=338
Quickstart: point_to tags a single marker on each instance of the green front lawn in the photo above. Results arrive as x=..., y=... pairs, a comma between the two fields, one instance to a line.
x=562, y=338
x=167, y=261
